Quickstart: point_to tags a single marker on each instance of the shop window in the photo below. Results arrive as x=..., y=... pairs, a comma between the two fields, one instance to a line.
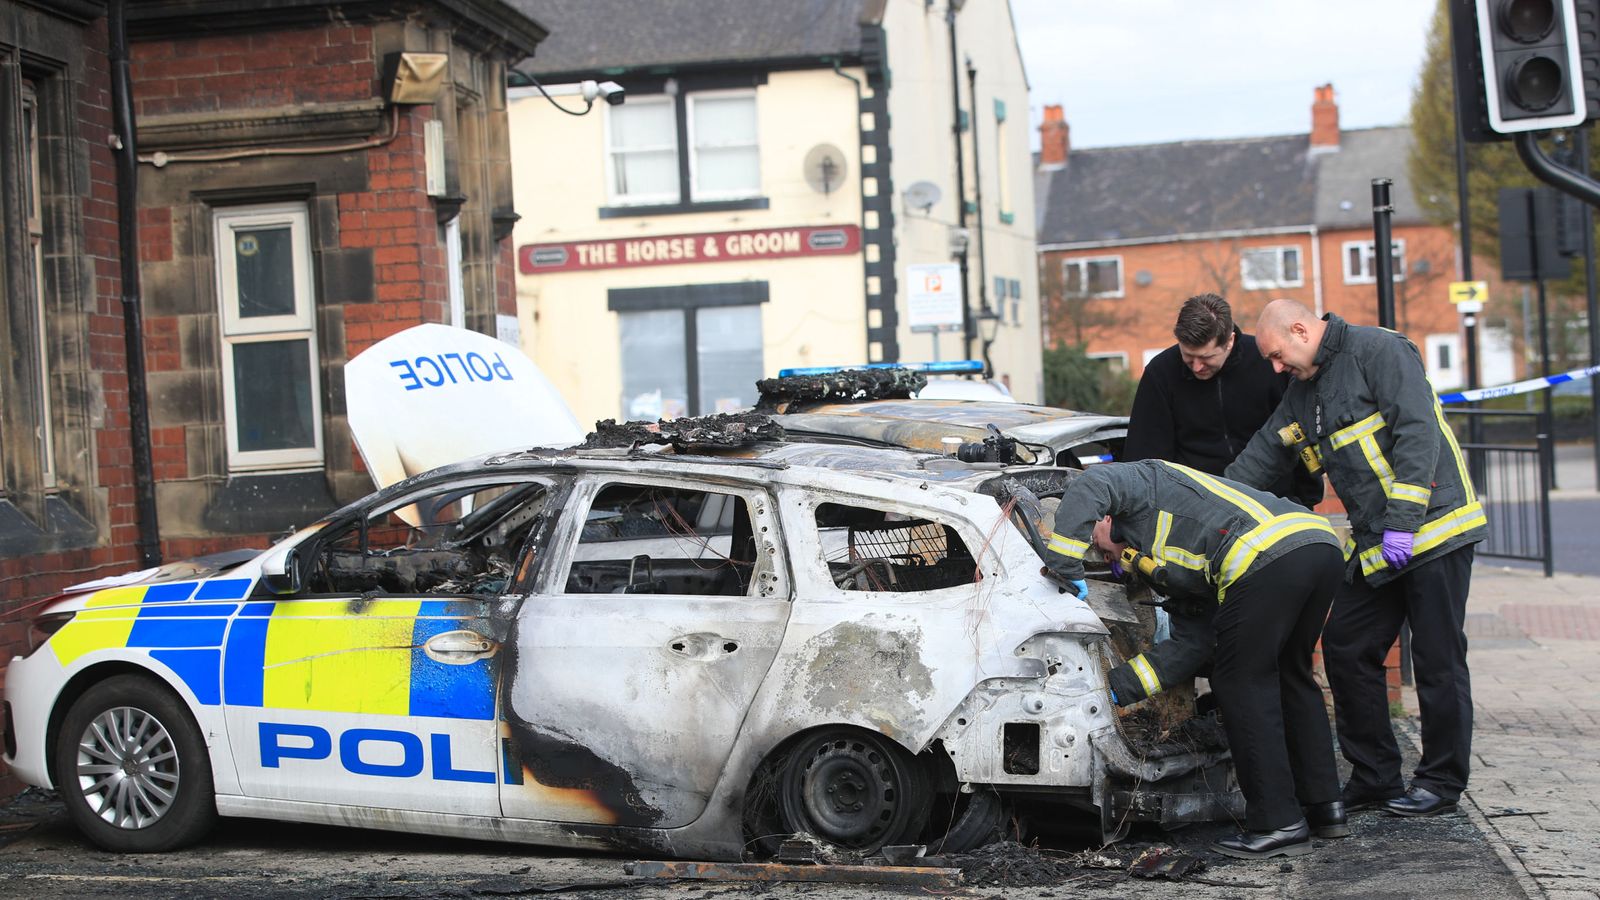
x=690, y=350
x=271, y=395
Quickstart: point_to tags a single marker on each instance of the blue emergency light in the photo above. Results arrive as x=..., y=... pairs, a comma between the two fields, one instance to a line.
x=953, y=367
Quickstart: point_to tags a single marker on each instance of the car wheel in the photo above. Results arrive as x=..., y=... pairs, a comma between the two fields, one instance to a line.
x=854, y=789
x=132, y=768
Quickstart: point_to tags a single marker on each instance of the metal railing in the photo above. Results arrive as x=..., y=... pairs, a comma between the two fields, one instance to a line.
x=1513, y=482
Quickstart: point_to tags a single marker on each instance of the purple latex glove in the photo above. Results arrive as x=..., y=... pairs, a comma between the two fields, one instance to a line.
x=1397, y=548
x=1116, y=568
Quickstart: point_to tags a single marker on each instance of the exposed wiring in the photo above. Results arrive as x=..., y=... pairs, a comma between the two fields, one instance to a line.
x=588, y=104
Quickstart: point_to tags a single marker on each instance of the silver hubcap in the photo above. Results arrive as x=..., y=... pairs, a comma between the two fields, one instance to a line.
x=127, y=768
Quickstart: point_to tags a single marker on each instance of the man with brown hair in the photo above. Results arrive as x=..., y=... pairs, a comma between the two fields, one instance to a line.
x=1201, y=400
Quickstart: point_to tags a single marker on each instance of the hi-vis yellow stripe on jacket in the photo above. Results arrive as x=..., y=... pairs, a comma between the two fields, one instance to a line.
x=1208, y=531
x=1385, y=446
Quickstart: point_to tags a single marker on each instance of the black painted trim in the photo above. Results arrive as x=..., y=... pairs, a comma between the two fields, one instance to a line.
x=875, y=61
x=687, y=296
x=678, y=209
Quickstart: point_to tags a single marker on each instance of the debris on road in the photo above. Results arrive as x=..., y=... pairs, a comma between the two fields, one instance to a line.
x=1162, y=861
x=906, y=876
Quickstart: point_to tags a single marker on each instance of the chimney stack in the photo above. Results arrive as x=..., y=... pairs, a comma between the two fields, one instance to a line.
x=1324, y=121
x=1054, y=138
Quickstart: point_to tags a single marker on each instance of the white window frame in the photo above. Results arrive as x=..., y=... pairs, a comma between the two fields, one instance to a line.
x=658, y=199
x=301, y=324
x=1367, y=275
x=696, y=195
x=1251, y=284
x=1083, y=262
x=1442, y=377
x=1117, y=360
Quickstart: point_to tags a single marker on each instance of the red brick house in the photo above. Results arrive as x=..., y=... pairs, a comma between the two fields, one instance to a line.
x=290, y=212
x=1127, y=233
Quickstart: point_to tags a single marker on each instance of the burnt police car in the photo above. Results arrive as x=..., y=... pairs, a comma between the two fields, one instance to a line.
x=674, y=649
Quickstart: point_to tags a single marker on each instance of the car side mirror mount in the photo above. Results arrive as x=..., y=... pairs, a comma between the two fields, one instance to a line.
x=280, y=572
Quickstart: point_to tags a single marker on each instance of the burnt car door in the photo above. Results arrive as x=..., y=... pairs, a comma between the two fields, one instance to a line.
x=373, y=683
x=662, y=607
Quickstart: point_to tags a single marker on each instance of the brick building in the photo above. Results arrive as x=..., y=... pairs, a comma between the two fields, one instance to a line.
x=1126, y=234
x=291, y=211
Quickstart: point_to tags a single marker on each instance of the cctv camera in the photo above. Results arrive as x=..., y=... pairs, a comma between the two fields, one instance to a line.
x=609, y=90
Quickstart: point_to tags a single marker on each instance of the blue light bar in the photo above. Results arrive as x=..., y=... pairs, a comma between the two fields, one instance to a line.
x=953, y=367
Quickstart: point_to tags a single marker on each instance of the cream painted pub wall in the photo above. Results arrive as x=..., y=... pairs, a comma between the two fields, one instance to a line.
x=921, y=113
x=815, y=314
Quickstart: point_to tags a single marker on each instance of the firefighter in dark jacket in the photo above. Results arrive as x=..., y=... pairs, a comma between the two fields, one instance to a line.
x=1362, y=409
x=1199, y=402
x=1202, y=399
x=1272, y=568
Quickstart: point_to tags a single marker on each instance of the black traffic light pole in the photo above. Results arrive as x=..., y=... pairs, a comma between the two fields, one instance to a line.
x=1588, y=190
x=1592, y=296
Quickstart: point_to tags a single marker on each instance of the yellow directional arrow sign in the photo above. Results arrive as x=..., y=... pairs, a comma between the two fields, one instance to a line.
x=1469, y=291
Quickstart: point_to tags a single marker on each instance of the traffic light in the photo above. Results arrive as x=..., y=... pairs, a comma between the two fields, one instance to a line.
x=1520, y=65
x=1532, y=76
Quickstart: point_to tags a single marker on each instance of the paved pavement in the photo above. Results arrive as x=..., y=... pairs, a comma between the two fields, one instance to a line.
x=1535, y=658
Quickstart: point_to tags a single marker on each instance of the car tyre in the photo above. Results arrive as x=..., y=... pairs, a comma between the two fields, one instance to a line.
x=975, y=819
x=132, y=768
x=853, y=789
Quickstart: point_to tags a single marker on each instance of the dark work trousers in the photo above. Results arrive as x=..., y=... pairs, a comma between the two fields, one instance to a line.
x=1364, y=625
x=1272, y=709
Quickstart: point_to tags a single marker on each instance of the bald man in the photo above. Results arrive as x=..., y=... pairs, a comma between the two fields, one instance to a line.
x=1361, y=398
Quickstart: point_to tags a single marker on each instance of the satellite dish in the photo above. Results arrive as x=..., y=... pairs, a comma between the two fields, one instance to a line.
x=922, y=195
x=825, y=168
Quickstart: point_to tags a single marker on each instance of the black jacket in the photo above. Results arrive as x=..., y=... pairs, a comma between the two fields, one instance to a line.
x=1205, y=425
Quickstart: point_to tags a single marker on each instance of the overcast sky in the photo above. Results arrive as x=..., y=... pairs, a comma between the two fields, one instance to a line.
x=1145, y=71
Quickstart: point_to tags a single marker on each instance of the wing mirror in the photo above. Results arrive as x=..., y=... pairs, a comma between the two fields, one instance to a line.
x=280, y=572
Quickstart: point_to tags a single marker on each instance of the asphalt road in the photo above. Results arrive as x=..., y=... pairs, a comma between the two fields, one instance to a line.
x=43, y=856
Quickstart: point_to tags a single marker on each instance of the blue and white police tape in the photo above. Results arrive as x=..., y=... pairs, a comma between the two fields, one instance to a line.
x=1520, y=387
x=1091, y=460
x=954, y=366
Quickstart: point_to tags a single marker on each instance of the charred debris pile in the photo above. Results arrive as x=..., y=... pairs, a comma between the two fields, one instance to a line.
x=851, y=385
x=721, y=430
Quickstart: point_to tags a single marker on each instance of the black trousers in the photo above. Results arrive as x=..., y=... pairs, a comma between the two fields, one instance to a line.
x=1272, y=709
x=1364, y=625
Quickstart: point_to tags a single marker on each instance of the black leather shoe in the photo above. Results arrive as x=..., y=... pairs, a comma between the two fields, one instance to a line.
x=1357, y=800
x=1292, y=841
x=1419, y=802
x=1328, y=820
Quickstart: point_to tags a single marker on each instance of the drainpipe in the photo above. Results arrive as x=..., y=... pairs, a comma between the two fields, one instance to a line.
x=127, y=159
x=977, y=198
x=1316, y=270
x=860, y=141
x=967, y=324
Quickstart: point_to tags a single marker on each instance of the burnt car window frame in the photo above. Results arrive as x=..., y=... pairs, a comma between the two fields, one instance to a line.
x=773, y=582
x=987, y=560
x=384, y=503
